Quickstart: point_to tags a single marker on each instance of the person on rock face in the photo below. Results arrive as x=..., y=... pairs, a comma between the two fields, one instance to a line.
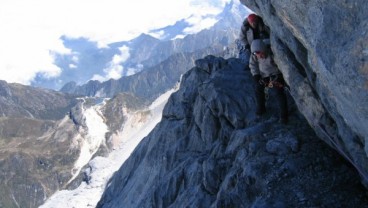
x=267, y=75
x=252, y=28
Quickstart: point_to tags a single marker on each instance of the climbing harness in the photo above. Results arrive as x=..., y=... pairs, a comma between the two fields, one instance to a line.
x=270, y=82
x=274, y=83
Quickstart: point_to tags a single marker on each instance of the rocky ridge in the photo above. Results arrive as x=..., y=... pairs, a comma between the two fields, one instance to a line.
x=210, y=150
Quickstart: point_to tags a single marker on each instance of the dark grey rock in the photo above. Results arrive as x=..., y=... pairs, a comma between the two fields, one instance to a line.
x=285, y=144
x=211, y=179
x=209, y=151
x=320, y=47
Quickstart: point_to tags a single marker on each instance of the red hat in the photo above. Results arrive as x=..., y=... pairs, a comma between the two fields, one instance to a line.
x=252, y=18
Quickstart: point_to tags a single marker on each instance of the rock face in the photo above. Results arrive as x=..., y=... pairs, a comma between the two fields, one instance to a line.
x=210, y=150
x=321, y=48
x=114, y=109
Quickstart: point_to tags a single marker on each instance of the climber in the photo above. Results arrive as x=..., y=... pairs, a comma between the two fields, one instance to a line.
x=267, y=75
x=252, y=28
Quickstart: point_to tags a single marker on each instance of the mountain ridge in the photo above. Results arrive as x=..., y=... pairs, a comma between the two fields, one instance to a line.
x=87, y=59
x=146, y=84
x=22, y=101
x=210, y=150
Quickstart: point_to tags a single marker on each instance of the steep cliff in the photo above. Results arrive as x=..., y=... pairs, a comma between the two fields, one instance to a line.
x=210, y=150
x=321, y=48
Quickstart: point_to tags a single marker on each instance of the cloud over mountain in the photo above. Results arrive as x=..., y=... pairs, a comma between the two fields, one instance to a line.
x=31, y=31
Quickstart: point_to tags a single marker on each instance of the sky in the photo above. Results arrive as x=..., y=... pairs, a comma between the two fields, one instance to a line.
x=31, y=29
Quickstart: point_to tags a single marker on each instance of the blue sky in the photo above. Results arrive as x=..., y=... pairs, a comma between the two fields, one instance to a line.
x=31, y=30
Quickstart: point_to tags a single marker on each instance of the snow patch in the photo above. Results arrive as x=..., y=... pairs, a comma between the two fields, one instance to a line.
x=101, y=93
x=93, y=140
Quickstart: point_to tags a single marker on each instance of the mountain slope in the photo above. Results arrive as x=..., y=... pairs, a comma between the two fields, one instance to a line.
x=210, y=151
x=47, y=137
x=36, y=136
x=20, y=101
x=138, y=122
x=149, y=83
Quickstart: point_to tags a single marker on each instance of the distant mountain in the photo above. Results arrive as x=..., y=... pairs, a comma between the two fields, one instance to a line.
x=148, y=84
x=165, y=61
x=232, y=14
x=20, y=101
x=36, y=143
x=145, y=51
x=172, y=31
x=46, y=137
x=137, y=123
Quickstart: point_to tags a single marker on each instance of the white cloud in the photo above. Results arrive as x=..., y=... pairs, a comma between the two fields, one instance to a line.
x=98, y=78
x=203, y=23
x=158, y=34
x=72, y=66
x=114, y=70
x=179, y=37
x=31, y=29
x=131, y=71
x=75, y=59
